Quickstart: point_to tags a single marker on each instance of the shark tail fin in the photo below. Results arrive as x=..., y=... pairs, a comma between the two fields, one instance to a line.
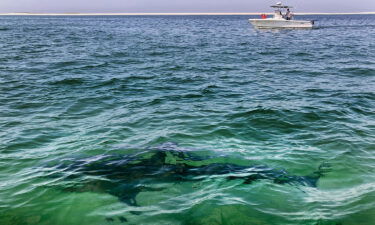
x=323, y=169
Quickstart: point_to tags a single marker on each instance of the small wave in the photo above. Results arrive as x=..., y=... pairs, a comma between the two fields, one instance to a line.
x=358, y=71
x=300, y=54
x=257, y=111
x=69, y=81
x=314, y=90
x=345, y=26
x=100, y=65
x=120, y=54
x=58, y=65
x=30, y=105
x=267, y=53
x=158, y=54
x=176, y=68
x=115, y=82
x=109, y=82
x=192, y=95
x=209, y=89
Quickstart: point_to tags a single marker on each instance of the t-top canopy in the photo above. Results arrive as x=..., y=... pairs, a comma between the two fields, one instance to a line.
x=281, y=6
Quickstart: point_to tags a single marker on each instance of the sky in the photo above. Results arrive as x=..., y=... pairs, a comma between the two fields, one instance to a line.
x=176, y=6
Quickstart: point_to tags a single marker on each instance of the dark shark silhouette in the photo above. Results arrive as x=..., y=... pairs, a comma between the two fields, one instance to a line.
x=125, y=176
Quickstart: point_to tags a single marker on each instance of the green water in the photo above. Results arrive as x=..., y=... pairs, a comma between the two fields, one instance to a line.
x=73, y=88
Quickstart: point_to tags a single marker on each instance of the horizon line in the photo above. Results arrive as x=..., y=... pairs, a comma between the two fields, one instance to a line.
x=171, y=14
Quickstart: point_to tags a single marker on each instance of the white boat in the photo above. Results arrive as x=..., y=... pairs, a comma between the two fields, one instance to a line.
x=280, y=20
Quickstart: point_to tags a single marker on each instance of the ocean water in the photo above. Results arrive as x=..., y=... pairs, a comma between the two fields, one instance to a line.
x=75, y=90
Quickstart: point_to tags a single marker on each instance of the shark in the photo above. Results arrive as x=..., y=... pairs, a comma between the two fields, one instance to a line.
x=126, y=175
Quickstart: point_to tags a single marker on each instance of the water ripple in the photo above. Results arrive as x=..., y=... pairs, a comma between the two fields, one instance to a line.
x=74, y=88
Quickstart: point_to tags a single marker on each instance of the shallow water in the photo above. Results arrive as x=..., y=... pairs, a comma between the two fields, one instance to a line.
x=79, y=87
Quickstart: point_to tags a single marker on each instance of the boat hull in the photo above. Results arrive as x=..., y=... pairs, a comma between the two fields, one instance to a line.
x=280, y=23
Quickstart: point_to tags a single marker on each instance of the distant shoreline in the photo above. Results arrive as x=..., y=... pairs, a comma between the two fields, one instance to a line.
x=166, y=14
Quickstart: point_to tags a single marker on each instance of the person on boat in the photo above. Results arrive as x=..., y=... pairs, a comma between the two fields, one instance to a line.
x=288, y=14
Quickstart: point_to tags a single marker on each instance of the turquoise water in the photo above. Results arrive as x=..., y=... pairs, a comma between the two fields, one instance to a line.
x=76, y=89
